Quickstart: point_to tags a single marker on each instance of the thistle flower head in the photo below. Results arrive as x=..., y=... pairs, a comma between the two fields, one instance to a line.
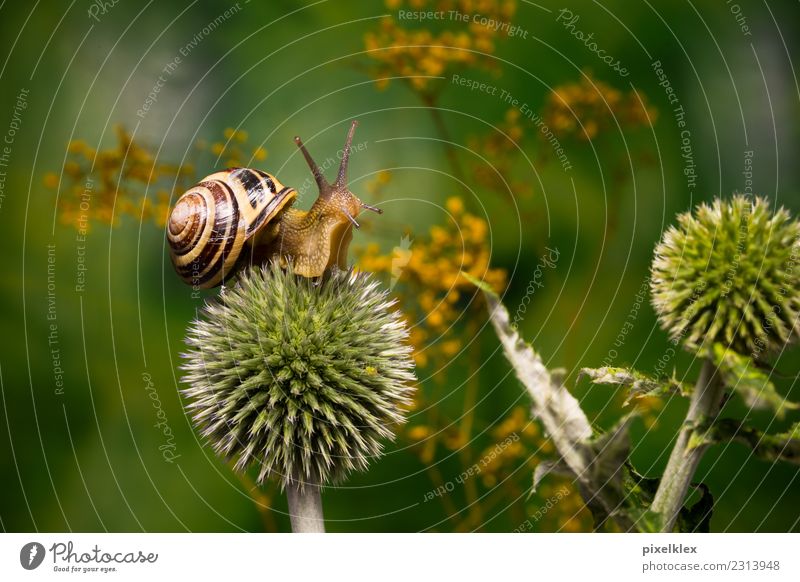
x=730, y=273
x=303, y=380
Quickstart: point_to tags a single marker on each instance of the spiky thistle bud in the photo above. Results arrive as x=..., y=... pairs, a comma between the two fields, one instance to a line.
x=729, y=273
x=303, y=380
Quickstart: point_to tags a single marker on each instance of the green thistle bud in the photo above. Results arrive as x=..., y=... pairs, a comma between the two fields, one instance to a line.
x=302, y=380
x=729, y=274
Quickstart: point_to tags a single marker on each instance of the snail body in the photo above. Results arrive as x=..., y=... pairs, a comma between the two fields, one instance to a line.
x=240, y=216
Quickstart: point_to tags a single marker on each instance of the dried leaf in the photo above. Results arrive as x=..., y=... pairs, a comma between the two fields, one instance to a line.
x=559, y=411
x=639, y=385
x=605, y=495
x=545, y=468
x=597, y=463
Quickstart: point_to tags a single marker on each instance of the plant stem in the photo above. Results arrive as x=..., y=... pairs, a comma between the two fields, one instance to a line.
x=465, y=429
x=444, y=135
x=689, y=446
x=305, y=506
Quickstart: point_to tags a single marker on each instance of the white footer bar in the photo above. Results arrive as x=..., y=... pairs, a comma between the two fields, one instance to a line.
x=406, y=557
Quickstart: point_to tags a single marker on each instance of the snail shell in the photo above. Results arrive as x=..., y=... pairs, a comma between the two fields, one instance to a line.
x=216, y=221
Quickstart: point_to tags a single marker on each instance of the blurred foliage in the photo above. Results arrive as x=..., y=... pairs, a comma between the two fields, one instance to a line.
x=415, y=54
x=590, y=108
x=432, y=290
x=117, y=178
x=129, y=178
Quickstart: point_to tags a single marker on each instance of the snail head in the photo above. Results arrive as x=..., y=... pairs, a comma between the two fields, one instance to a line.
x=337, y=197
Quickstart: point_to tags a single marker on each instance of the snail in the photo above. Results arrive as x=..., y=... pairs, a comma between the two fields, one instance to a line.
x=242, y=215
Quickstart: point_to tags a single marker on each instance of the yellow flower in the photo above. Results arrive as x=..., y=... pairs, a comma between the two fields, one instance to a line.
x=450, y=348
x=72, y=169
x=455, y=205
x=397, y=50
x=51, y=180
x=419, y=432
x=120, y=176
x=595, y=105
x=431, y=278
x=78, y=146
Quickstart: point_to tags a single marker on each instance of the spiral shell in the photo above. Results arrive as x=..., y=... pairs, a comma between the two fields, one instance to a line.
x=214, y=221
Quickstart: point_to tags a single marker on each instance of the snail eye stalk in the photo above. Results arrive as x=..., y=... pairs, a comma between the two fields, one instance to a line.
x=374, y=209
x=322, y=184
x=341, y=179
x=350, y=218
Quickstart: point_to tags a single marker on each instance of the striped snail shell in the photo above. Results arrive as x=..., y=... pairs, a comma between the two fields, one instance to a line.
x=217, y=220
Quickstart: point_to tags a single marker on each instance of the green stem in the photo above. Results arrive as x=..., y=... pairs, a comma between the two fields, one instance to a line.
x=444, y=135
x=305, y=507
x=689, y=446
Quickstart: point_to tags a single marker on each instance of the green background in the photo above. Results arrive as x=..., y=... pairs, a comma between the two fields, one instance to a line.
x=89, y=459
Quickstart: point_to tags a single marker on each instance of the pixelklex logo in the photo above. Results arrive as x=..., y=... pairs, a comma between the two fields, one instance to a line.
x=31, y=555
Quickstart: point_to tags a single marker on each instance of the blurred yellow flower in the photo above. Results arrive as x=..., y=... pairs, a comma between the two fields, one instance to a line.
x=103, y=185
x=441, y=307
x=51, y=180
x=417, y=55
x=500, y=147
x=431, y=275
x=584, y=109
x=419, y=432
